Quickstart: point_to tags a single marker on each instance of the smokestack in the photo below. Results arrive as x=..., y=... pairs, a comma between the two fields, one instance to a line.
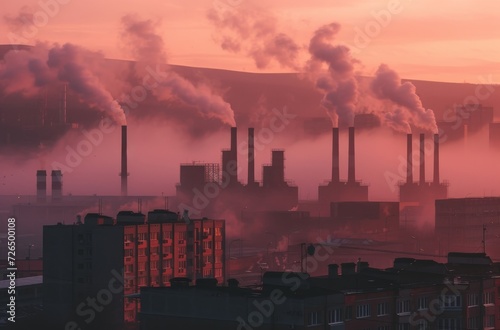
x=41, y=186
x=251, y=157
x=436, y=158
x=56, y=185
x=351, y=174
x=335, y=155
x=422, y=159
x=233, y=139
x=230, y=159
x=409, y=162
x=124, y=172
x=278, y=166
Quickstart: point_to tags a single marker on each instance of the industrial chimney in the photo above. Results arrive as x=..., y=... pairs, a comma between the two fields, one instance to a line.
x=351, y=174
x=41, y=186
x=335, y=155
x=251, y=157
x=124, y=172
x=436, y=159
x=409, y=162
x=422, y=159
x=230, y=159
x=56, y=185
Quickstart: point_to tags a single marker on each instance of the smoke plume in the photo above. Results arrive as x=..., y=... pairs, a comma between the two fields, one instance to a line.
x=338, y=83
x=147, y=46
x=254, y=32
x=26, y=71
x=387, y=85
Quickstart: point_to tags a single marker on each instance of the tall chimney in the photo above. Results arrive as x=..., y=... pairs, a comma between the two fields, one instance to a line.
x=335, y=155
x=251, y=157
x=409, y=162
x=422, y=159
x=436, y=158
x=56, y=185
x=233, y=139
x=351, y=174
x=124, y=172
x=41, y=186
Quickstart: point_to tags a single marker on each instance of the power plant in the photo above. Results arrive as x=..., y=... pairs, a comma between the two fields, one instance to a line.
x=422, y=192
x=337, y=190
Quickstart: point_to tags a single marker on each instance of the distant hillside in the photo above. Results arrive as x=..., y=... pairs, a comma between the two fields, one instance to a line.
x=252, y=96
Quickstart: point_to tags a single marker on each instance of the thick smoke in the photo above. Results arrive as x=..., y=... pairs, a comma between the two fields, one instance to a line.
x=147, y=46
x=26, y=71
x=254, y=32
x=387, y=86
x=338, y=83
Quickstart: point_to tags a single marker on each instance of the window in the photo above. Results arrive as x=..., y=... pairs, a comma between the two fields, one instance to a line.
x=153, y=236
x=167, y=250
x=207, y=273
x=154, y=265
x=423, y=303
x=472, y=299
x=218, y=231
x=403, y=306
x=129, y=268
x=218, y=259
x=154, y=250
x=449, y=324
x=207, y=259
x=473, y=322
x=218, y=272
x=167, y=264
x=489, y=298
x=142, y=252
x=142, y=266
x=362, y=311
x=335, y=316
x=490, y=321
x=383, y=308
x=452, y=302
x=181, y=235
x=207, y=245
x=313, y=318
x=182, y=250
x=142, y=236
x=167, y=235
x=128, y=238
x=142, y=281
x=182, y=264
x=129, y=252
x=218, y=245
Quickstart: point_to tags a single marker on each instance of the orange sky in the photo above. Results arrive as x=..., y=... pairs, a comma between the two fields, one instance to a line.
x=448, y=40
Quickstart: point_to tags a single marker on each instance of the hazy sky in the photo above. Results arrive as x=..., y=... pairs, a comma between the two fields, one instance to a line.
x=448, y=40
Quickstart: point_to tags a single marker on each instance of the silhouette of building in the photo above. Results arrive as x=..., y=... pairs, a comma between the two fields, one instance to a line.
x=111, y=260
x=413, y=294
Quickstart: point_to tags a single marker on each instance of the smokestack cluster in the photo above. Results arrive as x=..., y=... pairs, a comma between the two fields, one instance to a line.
x=124, y=171
x=251, y=157
x=409, y=164
x=351, y=174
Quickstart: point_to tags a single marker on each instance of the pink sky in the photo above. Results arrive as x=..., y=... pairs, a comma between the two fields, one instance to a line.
x=448, y=40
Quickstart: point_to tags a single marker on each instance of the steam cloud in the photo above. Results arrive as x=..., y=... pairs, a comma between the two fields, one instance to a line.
x=26, y=71
x=254, y=32
x=387, y=86
x=148, y=47
x=338, y=83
